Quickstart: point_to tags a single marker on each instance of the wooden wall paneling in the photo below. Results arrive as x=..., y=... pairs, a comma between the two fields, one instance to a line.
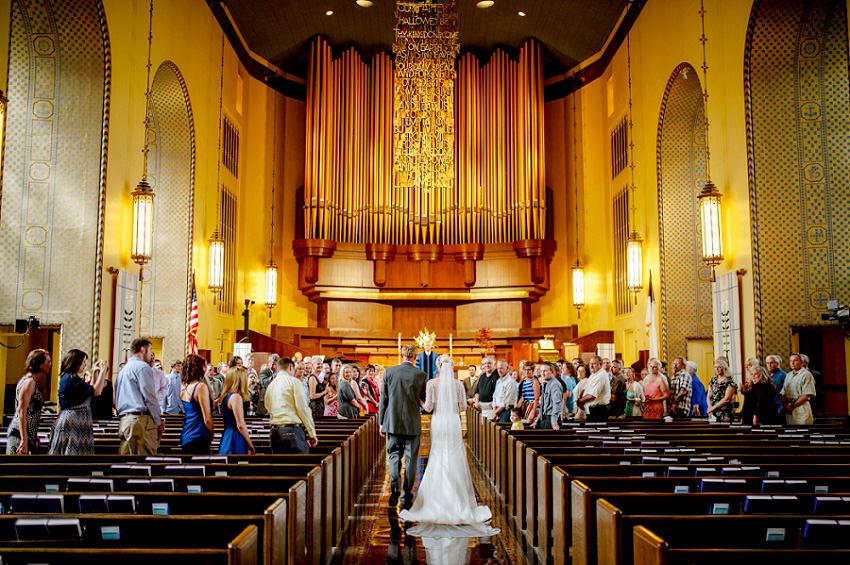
x=410, y=320
x=359, y=315
x=493, y=315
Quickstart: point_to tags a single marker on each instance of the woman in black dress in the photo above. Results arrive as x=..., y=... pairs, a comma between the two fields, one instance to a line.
x=73, y=433
x=22, y=435
x=759, y=400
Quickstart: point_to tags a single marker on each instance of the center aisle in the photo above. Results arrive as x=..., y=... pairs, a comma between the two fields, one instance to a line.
x=377, y=536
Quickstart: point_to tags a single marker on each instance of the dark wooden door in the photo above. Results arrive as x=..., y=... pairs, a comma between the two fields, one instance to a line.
x=825, y=348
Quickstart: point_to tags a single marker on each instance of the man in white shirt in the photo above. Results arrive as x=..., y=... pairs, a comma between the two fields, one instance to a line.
x=597, y=393
x=160, y=383
x=504, y=397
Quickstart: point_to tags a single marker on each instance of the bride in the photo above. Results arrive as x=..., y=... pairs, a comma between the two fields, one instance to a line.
x=445, y=504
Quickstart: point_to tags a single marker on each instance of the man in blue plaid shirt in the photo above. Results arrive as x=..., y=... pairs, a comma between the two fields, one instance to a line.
x=681, y=390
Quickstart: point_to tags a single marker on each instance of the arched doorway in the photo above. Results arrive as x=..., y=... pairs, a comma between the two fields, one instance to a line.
x=685, y=280
x=171, y=173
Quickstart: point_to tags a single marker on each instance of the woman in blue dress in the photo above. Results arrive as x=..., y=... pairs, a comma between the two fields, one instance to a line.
x=73, y=432
x=196, y=436
x=235, y=440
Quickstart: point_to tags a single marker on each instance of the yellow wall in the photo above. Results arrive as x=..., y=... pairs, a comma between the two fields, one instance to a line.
x=666, y=34
x=186, y=33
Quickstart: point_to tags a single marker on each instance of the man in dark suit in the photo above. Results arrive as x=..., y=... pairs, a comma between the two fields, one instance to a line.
x=402, y=392
x=427, y=360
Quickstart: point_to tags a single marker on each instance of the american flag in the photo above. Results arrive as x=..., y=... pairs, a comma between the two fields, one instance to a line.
x=193, y=321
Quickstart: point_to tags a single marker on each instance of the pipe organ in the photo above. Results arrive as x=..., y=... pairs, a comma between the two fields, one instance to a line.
x=424, y=182
x=462, y=163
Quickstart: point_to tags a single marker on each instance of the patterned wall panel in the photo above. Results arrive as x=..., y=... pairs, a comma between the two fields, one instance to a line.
x=51, y=228
x=685, y=287
x=797, y=100
x=171, y=174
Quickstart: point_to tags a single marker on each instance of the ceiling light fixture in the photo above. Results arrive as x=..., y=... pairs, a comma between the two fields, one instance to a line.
x=485, y=3
x=329, y=13
x=521, y=14
x=365, y=3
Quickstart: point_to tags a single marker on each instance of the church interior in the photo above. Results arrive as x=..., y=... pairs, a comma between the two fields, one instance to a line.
x=532, y=181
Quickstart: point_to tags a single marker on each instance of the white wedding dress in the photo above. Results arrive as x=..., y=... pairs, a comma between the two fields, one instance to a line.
x=445, y=505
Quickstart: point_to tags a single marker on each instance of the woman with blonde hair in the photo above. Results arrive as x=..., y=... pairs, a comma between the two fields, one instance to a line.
x=721, y=392
x=348, y=405
x=22, y=435
x=235, y=440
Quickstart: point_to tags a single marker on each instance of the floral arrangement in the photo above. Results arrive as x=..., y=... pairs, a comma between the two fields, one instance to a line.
x=424, y=337
x=483, y=340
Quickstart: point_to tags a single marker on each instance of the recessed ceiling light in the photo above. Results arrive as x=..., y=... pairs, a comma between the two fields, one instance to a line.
x=365, y=3
x=329, y=13
x=521, y=14
x=485, y=3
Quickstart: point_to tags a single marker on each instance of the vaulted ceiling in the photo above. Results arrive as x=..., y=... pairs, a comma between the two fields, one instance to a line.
x=571, y=31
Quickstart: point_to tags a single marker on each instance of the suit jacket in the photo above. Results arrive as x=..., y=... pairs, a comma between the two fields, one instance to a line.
x=427, y=363
x=401, y=391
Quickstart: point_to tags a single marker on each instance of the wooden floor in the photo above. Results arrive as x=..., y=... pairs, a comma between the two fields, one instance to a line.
x=376, y=535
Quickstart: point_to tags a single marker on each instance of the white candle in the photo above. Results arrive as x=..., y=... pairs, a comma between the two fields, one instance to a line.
x=450, y=345
x=399, y=347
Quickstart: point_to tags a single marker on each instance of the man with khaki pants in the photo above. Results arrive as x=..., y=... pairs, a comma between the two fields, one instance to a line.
x=136, y=403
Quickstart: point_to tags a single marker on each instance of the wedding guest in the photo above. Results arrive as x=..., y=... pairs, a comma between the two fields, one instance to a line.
x=721, y=393
x=73, y=433
x=617, y=406
x=529, y=398
x=235, y=440
x=699, y=405
x=196, y=435
x=160, y=383
x=774, y=367
x=681, y=392
x=748, y=365
x=355, y=386
x=818, y=406
x=235, y=361
x=505, y=393
x=266, y=377
x=331, y=399
x=318, y=392
x=597, y=393
x=516, y=419
x=292, y=426
x=486, y=386
x=172, y=403
x=797, y=390
x=22, y=434
x=348, y=405
x=759, y=407
x=136, y=403
x=634, y=395
x=551, y=400
x=570, y=380
x=469, y=383
x=369, y=389
x=102, y=404
x=300, y=372
x=578, y=392
x=655, y=391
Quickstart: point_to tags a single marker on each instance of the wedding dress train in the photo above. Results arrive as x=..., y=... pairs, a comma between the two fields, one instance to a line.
x=445, y=505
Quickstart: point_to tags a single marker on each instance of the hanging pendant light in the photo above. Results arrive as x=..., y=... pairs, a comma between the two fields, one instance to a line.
x=215, y=282
x=578, y=268
x=634, y=245
x=271, y=266
x=271, y=284
x=578, y=286
x=141, y=249
x=216, y=262
x=709, y=198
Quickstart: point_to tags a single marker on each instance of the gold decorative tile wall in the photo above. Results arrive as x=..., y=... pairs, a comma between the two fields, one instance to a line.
x=165, y=290
x=798, y=127
x=51, y=228
x=686, y=310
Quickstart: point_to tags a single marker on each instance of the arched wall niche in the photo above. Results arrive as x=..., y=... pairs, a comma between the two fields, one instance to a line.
x=171, y=172
x=798, y=137
x=54, y=178
x=685, y=280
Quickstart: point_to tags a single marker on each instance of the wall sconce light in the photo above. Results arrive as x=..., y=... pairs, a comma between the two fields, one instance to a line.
x=634, y=260
x=216, y=261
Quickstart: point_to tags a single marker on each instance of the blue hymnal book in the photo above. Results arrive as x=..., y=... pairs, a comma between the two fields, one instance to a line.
x=30, y=529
